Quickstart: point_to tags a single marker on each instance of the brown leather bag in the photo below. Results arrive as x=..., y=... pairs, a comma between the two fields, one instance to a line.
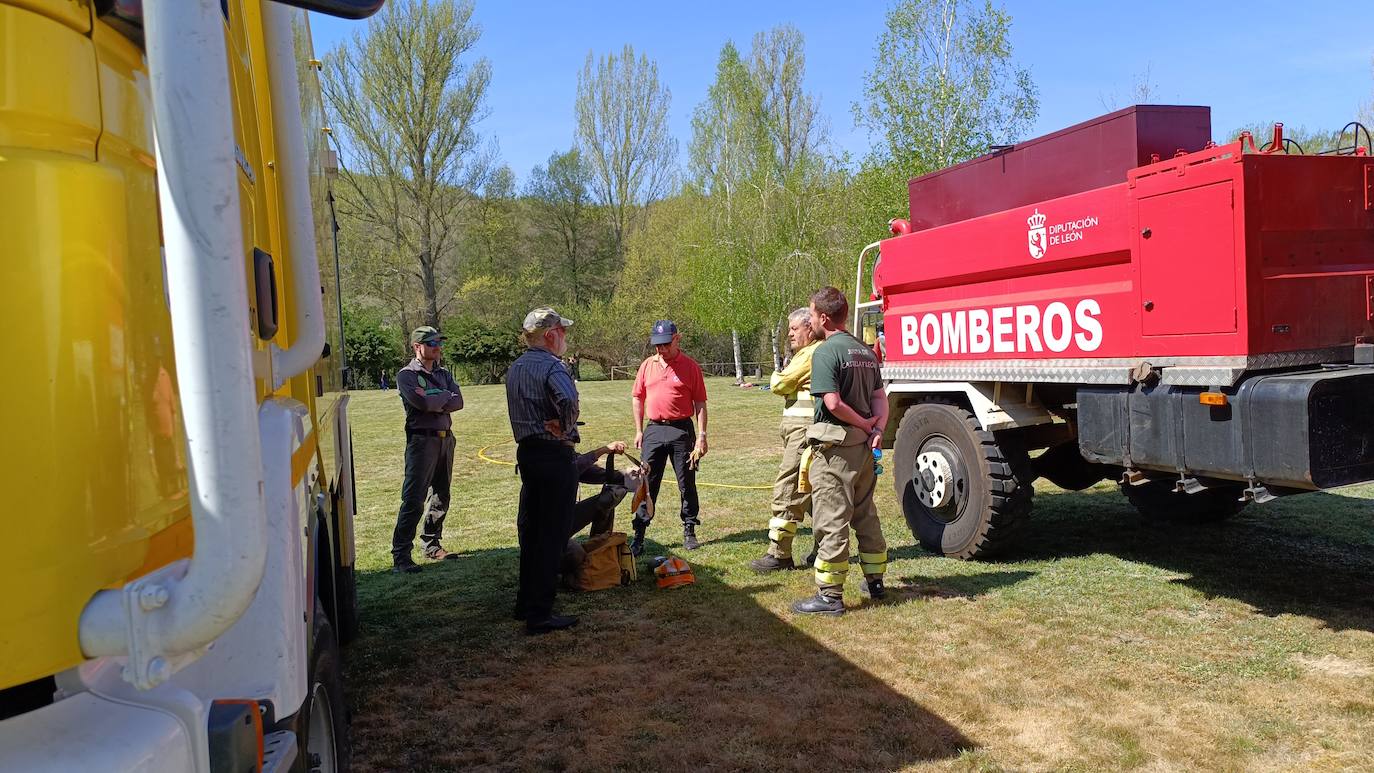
x=601, y=568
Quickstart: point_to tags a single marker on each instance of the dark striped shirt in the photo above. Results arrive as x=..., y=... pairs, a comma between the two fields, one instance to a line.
x=538, y=388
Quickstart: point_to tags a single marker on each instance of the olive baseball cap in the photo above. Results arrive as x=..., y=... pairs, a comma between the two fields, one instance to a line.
x=663, y=332
x=425, y=335
x=545, y=318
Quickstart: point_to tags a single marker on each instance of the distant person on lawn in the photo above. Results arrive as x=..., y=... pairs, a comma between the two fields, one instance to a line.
x=792, y=384
x=429, y=394
x=669, y=390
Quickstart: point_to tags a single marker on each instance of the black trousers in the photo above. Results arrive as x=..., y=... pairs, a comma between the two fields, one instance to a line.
x=674, y=441
x=548, y=492
x=429, y=471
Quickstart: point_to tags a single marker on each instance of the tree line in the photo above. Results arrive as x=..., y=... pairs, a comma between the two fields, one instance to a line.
x=724, y=232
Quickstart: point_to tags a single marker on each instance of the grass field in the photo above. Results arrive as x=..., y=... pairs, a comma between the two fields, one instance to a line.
x=1103, y=643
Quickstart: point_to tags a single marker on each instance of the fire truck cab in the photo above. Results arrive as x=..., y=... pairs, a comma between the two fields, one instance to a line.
x=176, y=550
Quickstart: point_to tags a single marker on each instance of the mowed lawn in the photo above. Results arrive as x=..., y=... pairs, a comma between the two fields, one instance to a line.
x=1102, y=643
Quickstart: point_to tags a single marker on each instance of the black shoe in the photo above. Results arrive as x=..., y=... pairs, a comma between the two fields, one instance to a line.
x=819, y=605
x=441, y=555
x=405, y=567
x=550, y=624
x=874, y=588
x=689, y=537
x=771, y=563
x=637, y=544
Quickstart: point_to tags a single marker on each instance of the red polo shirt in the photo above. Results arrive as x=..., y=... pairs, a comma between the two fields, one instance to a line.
x=670, y=389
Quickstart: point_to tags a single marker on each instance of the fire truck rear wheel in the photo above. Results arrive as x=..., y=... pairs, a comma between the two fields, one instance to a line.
x=322, y=725
x=1156, y=500
x=964, y=493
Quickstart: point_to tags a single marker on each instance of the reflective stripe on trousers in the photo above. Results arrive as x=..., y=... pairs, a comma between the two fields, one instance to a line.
x=873, y=563
x=831, y=572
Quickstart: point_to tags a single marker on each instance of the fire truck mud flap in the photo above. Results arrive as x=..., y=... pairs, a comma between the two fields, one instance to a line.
x=1289, y=432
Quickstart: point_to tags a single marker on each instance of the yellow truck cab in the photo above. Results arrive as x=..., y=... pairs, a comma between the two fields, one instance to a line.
x=176, y=554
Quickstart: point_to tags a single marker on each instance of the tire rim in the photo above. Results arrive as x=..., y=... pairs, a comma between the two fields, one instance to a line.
x=939, y=479
x=320, y=746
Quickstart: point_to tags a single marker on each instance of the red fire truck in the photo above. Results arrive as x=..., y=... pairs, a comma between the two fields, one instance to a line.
x=1137, y=303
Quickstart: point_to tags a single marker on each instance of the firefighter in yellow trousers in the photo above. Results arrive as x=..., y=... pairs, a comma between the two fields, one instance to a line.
x=791, y=505
x=851, y=411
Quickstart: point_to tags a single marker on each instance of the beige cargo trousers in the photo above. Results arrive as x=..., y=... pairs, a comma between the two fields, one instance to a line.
x=842, y=482
x=790, y=505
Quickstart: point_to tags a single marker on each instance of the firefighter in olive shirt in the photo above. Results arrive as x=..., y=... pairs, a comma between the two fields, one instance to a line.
x=851, y=410
x=429, y=394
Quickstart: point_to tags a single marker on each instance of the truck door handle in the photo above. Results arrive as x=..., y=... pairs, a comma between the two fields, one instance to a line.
x=265, y=294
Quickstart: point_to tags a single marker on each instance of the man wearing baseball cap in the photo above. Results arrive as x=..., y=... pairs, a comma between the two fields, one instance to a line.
x=429, y=395
x=669, y=391
x=543, y=405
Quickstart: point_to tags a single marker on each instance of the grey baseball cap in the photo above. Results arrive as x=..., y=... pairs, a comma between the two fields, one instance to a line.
x=545, y=318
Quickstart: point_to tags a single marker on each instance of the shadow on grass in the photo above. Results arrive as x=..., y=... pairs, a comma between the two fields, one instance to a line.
x=701, y=677
x=1285, y=557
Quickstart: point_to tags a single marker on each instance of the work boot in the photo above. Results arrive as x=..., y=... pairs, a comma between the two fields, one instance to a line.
x=439, y=554
x=771, y=563
x=405, y=566
x=820, y=605
x=874, y=588
x=550, y=624
x=637, y=544
x=689, y=537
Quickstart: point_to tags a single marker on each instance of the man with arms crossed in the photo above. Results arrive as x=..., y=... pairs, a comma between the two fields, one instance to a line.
x=851, y=411
x=429, y=394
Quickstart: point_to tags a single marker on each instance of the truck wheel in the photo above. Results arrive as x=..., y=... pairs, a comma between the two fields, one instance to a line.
x=323, y=721
x=963, y=495
x=1156, y=500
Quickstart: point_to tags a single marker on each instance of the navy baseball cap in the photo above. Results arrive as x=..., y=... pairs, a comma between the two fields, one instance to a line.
x=663, y=332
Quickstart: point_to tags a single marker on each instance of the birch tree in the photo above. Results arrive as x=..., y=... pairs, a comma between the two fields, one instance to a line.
x=943, y=88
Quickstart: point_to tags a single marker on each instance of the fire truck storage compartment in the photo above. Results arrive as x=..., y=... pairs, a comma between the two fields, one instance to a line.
x=1187, y=249
x=1089, y=155
x=1306, y=430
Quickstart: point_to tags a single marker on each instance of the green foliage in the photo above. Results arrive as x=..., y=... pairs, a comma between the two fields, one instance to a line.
x=622, y=132
x=580, y=260
x=405, y=98
x=942, y=89
x=370, y=347
x=480, y=351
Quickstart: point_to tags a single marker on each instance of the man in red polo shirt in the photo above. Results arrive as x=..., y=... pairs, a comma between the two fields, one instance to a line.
x=669, y=391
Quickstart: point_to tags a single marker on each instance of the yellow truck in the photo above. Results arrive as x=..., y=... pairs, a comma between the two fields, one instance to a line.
x=176, y=554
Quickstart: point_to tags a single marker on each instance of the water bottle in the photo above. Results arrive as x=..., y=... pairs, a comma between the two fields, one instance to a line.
x=877, y=461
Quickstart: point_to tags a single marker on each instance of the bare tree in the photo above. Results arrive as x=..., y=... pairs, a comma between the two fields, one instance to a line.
x=622, y=133
x=406, y=99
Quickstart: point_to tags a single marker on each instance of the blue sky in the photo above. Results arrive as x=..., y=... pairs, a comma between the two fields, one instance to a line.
x=1307, y=64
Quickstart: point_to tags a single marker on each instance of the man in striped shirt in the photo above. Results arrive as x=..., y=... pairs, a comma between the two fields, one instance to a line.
x=542, y=401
